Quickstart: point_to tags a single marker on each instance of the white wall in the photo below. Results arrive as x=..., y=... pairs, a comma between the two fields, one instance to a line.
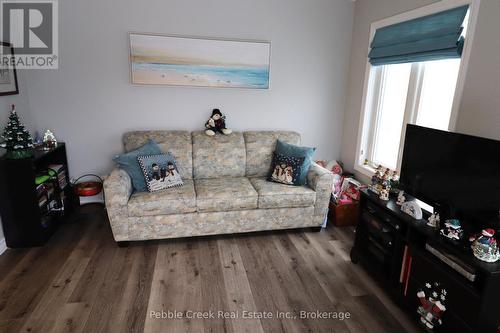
x=480, y=107
x=89, y=102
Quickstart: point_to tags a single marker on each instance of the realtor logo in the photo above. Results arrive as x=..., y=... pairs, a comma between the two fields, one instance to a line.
x=32, y=28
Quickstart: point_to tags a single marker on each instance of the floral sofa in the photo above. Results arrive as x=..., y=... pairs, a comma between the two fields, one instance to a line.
x=225, y=189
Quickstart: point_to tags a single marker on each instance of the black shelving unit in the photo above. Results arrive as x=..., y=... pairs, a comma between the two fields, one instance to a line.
x=25, y=224
x=382, y=235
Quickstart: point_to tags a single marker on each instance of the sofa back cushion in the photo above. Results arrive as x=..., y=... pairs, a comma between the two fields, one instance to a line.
x=176, y=142
x=218, y=156
x=260, y=146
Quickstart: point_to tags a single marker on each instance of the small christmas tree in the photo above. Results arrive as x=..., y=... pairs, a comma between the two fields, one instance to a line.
x=18, y=141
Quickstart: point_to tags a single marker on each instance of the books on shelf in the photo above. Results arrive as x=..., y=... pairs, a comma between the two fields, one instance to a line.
x=50, y=193
x=60, y=171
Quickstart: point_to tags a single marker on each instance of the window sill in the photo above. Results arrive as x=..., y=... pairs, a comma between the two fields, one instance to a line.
x=365, y=170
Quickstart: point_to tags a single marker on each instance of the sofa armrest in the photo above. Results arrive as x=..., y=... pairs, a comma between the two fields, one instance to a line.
x=117, y=188
x=321, y=181
x=117, y=191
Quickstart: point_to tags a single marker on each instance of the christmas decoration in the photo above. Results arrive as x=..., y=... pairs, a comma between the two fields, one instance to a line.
x=452, y=230
x=433, y=220
x=412, y=208
x=401, y=198
x=384, y=195
x=49, y=140
x=216, y=124
x=485, y=247
x=431, y=308
x=383, y=179
x=18, y=141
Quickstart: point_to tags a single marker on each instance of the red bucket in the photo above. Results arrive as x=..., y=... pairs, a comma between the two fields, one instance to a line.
x=88, y=188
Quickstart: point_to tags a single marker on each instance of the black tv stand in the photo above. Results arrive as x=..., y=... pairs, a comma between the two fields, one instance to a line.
x=391, y=246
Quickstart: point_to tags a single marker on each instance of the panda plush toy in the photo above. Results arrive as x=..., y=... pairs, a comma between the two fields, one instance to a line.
x=216, y=123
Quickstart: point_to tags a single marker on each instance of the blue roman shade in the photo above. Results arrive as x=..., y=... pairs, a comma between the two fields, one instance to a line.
x=432, y=37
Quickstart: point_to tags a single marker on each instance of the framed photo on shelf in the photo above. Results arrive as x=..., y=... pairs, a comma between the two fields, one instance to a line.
x=8, y=75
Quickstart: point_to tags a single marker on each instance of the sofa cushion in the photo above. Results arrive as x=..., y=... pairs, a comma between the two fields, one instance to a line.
x=224, y=194
x=218, y=156
x=260, y=146
x=176, y=142
x=275, y=195
x=175, y=200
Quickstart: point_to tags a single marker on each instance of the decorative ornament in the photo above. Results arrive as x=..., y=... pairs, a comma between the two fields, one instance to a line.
x=401, y=198
x=412, y=208
x=434, y=220
x=49, y=140
x=452, y=230
x=216, y=123
x=383, y=179
x=384, y=195
x=431, y=308
x=485, y=246
x=18, y=141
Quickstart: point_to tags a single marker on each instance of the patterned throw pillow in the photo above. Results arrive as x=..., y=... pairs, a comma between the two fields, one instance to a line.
x=285, y=169
x=297, y=151
x=160, y=171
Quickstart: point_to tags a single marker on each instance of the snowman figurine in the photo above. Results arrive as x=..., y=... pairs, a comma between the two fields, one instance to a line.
x=401, y=198
x=434, y=220
x=384, y=195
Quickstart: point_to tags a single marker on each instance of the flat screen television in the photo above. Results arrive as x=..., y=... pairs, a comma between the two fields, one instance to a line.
x=457, y=172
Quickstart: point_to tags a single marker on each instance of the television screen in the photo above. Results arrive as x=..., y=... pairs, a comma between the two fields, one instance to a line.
x=458, y=172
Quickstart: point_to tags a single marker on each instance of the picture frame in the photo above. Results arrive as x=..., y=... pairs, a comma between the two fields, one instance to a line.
x=158, y=59
x=8, y=74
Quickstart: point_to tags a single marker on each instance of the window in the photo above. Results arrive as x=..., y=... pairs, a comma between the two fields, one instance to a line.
x=398, y=92
x=417, y=93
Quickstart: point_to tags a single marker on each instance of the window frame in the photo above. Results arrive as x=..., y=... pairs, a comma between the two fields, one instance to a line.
x=373, y=78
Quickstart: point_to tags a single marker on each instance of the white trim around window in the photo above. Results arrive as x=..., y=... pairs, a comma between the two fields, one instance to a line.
x=374, y=75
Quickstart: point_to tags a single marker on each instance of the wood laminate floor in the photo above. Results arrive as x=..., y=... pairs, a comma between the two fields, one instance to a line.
x=82, y=282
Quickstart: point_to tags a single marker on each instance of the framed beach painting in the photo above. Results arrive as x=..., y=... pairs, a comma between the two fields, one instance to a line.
x=8, y=75
x=200, y=62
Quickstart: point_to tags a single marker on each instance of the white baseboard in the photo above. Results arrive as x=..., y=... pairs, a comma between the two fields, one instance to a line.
x=3, y=246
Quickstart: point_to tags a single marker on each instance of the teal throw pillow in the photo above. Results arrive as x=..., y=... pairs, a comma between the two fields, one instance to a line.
x=287, y=149
x=130, y=164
